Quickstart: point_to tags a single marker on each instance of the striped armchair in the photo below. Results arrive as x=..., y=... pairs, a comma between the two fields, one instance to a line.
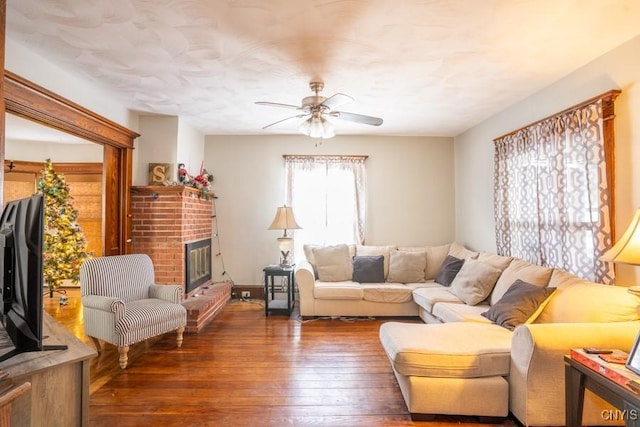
x=123, y=306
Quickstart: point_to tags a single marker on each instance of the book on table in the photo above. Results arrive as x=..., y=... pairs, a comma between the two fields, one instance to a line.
x=610, y=365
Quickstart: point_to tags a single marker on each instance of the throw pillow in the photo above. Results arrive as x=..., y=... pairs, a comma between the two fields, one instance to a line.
x=407, y=267
x=435, y=257
x=449, y=270
x=308, y=254
x=333, y=263
x=499, y=261
x=366, y=250
x=519, y=269
x=368, y=269
x=474, y=281
x=518, y=305
x=460, y=251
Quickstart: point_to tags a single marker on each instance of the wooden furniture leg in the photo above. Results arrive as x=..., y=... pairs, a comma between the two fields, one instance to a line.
x=97, y=343
x=123, y=356
x=179, y=337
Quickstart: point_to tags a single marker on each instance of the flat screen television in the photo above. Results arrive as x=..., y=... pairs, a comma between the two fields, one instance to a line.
x=21, y=244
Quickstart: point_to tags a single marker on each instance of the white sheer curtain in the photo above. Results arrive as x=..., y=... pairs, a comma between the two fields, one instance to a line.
x=327, y=195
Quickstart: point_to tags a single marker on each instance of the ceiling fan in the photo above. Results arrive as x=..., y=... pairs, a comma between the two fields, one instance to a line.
x=315, y=109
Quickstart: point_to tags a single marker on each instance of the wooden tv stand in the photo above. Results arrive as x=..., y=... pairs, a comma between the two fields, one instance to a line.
x=59, y=394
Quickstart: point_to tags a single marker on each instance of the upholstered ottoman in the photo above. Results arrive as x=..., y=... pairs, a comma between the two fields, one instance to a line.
x=450, y=368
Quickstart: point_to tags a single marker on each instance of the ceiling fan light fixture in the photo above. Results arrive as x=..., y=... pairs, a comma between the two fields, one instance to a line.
x=319, y=111
x=317, y=127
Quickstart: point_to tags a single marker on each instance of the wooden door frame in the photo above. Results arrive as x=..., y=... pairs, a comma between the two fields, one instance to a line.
x=30, y=101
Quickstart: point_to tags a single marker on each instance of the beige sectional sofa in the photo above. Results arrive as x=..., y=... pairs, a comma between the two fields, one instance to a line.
x=461, y=362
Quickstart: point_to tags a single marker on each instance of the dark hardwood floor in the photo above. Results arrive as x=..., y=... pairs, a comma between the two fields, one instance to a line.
x=245, y=369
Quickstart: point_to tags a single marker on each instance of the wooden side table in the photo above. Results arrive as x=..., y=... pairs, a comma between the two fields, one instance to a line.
x=579, y=377
x=271, y=304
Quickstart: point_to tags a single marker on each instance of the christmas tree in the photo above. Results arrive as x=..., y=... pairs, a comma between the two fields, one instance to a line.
x=65, y=247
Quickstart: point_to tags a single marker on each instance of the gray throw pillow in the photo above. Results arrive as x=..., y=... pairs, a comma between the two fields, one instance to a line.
x=518, y=304
x=368, y=269
x=449, y=270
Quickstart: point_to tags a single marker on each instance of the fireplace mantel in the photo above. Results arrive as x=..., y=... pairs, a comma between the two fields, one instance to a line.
x=168, y=189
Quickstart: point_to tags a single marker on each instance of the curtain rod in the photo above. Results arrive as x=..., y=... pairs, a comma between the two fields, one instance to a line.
x=610, y=94
x=333, y=156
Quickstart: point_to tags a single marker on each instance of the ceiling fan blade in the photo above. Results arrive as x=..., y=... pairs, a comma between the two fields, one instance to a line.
x=337, y=100
x=277, y=104
x=358, y=118
x=284, y=120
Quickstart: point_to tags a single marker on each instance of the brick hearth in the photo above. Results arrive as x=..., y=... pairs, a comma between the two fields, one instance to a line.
x=201, y=309
x=164, y=219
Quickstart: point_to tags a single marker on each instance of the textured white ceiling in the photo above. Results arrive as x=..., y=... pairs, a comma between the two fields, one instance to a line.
x=427, y=67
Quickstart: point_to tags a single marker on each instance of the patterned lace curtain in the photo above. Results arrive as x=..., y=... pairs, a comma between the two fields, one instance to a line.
x=551, y=193
x=328, y=197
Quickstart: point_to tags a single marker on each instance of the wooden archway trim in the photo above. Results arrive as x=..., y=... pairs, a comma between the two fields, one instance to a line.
x=90, y=168
x=30, y=101
x=26, y=99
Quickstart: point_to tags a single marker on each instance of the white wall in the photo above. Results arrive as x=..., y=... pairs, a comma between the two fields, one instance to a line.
x=167, y=139
x=39, y=151
x=190, y=147
x=157, y=144
x=79, y=89
x=410, y=192
x=618, y=69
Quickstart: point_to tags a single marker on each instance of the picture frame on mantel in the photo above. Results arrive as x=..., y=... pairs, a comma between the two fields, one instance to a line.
x=159, y=173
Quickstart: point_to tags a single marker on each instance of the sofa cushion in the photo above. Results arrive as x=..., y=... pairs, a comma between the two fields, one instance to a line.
x=406, y=267
x=519, y=305
x=459, y=251
x=387, y=292
x=427, y=298
x=333, y=263
x=423, y=285
x=435, y=257
x=449, y=350
x=368, y=269
x=338, y=290
x=519, y=269
x=474, y=281
x=308, y=254
x=561, y=277
x=577, y=300
x=364, y=250
x=449, y=270
x=498, y=261
x=451, y=312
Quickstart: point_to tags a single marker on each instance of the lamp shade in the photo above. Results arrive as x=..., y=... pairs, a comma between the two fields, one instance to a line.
x=284, y=220
x=627, y=249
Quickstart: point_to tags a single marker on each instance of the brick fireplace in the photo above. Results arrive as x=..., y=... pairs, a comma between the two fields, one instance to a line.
x=174, y=226
x=164, y=220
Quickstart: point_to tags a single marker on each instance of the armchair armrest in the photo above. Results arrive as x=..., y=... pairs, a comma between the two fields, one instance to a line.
x=536, y=377
x=306, y=281
x=106, y=304
x=171, y=293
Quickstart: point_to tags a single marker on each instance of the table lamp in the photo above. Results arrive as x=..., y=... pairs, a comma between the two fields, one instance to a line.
x=285, y=220
x=627, y=249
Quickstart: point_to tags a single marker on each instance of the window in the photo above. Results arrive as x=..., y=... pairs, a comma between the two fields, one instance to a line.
x=551, y=191
x=327, y=194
